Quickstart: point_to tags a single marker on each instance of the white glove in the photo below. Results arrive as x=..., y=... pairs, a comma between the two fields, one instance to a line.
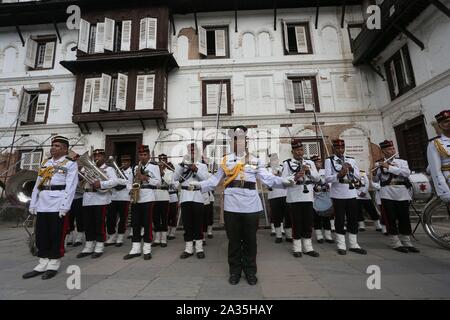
x=194, y=184
x=287, y=182
x=32, y=211
x=62, y=213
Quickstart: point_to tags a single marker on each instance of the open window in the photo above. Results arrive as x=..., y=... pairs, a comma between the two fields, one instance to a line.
x=301, y=94
x=34, y=107
x=213, y=42
x=107, y=93
x=40, y=54
x=297, y=38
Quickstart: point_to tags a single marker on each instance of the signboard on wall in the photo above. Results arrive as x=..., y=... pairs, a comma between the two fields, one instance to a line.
x=357, y=146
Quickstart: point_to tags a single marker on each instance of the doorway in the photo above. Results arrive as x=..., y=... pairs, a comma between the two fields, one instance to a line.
x=123, y=144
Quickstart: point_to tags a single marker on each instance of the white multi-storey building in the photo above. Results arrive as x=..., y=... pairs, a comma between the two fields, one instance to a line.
x=152, y=74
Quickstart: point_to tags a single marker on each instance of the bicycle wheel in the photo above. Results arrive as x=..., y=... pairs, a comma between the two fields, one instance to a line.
x=436, y=222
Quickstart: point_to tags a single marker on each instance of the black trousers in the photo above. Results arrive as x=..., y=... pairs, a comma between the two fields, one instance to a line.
x=397, y=214
x=76, y=214
x=241, y=232
x=368, y=206
x=94, y=220
x=160, y=216
x=302, y=219
x=279, y=212
x=346, y=209
x=208, y=218
x=141, y=217
x=192, y=214
x=173, y=214
x=117, y=209
x=321, y=222
x=51, y=231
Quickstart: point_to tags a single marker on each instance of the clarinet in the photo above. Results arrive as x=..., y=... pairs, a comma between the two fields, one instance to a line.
x=300, y=168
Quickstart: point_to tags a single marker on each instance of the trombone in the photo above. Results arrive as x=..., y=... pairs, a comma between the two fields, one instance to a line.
x=112, y=163
x=389, y=160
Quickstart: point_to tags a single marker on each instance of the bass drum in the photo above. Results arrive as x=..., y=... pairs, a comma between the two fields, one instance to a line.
x=421, y=187
x=323, y=204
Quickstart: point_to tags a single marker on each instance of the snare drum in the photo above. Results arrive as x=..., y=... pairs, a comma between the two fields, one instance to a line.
x=323, y=204
x=421, y=187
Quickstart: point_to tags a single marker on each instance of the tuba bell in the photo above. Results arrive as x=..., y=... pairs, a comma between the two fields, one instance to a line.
x=91, y=171
x=20, y=186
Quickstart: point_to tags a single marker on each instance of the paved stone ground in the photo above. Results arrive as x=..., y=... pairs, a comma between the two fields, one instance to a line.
x=281, y=276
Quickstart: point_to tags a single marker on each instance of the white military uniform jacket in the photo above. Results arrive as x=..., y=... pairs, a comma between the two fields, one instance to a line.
x=173, y=191
x=152, y=171
x=364, y=188
x=184, y=176
x=124, y=194
x=66, y=173
x=276, y=192
x=166, y=181
x=101, y=198
x=398, y=168
x=439, y=165
x=340, y=190
x=242, y=200
x=295, y=192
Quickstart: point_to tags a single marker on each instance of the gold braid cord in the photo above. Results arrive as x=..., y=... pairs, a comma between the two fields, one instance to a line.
x=440, y=148
x=232, y=173
x=47, y=173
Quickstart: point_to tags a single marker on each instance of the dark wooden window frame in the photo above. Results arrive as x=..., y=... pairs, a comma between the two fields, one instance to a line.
x=21, y=152
x=308, y=37
x=204, y=106
x=227, y=42
x=110, y=140
x=315, y=93
x=402, y=89
x=34, y=106
x=41, y=40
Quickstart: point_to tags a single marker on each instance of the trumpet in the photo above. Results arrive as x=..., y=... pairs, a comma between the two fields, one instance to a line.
x=112, y=163
x=389, y=160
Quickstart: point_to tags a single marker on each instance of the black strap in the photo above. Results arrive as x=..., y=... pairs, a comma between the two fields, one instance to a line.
x=189, y=188
x=148, y=186
x=173, y=192
x=51, y=188
x=120, y=187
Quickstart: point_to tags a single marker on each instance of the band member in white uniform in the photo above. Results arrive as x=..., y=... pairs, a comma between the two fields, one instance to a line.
x=321, y=222
x=192, y=201
x=76, y=215
x=343, y=174
x=96, y=198
x=300, y=198
x=173, y=204
x=52, y=196
x=365, y=204
x=146, y=179
x=395, y=197
x=120, y=204
x=161, y=209
x=242, y=204
x=438, y=154
x=277, y=201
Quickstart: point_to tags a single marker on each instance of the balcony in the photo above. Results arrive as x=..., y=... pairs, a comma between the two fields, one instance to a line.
x=396, y=15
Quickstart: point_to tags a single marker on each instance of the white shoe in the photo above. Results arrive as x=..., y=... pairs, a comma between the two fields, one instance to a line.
x=111, y=239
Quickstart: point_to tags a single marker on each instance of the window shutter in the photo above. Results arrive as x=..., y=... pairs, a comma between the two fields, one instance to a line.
x=212, y=98
x=125, y=44
x=140, y=87
x=105, y=92
x=143, y=34
x=30, y=59
x=286, y=39
x=220, y=43
x=100, y=38
x=405, y=71
x=307, y=95
x=149, y=91
x=25, y=106
x=151, y=33
x=95, y=106
x=122, y=87
x=109, y=34
x=300, y=35
x=83, y=36
x=41, y=109
x=87, y=97
x=49, y=53
x=289, y=95
x=394, y=78
x=202, y=45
